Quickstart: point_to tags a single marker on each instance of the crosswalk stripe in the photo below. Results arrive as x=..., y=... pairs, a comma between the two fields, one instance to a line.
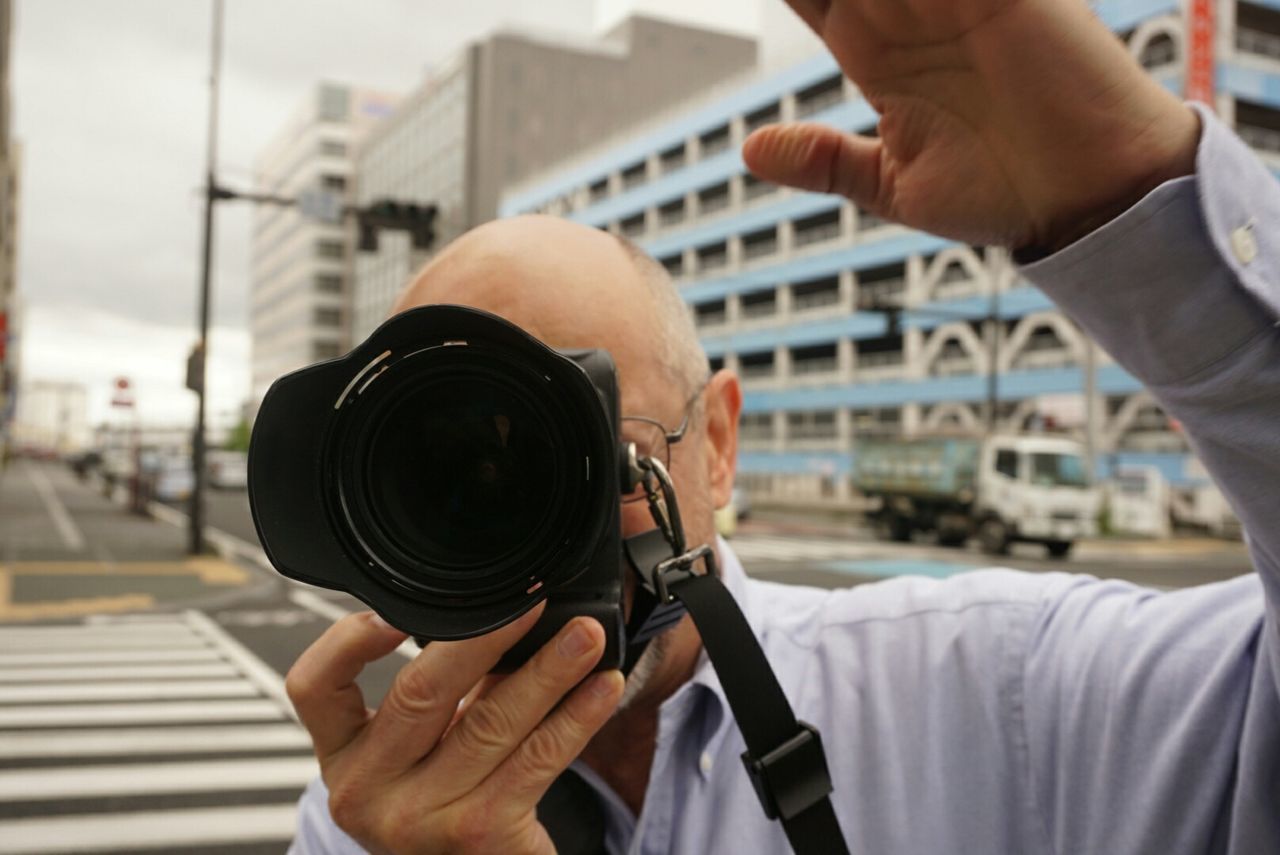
x=204, y=776
x=162, y=690
x=88, y=657
x=190, y=671
x=165, y=830
x=107, y=642
x=152, y=712
x=129, y=742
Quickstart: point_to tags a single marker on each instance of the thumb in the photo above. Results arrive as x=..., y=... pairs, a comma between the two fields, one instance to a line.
x=817, y=158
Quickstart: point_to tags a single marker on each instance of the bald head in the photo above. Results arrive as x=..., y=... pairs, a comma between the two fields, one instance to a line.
x=571, y=286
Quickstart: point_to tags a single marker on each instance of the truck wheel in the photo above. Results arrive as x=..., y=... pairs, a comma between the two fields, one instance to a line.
x=993, y=535
x=893, y=527
x=1059, y=548
x=952, y=540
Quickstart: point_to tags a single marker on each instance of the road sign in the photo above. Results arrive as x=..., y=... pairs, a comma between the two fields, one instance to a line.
x=123, y=395
x=322, y=205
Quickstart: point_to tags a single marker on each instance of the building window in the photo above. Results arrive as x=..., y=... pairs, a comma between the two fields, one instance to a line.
x=709, y=314
x=1258, y=125
x=716, y=363
x=333, y=148
x=756, y=427
x=598, y=191
x=1258, y=30
x=753, y=188
x=633, y=176
x=714, y=141
x=329, y=249
x=756, y=366
x=632, y=226
x=868, y=221
x=327, y=316
x=673, y=158
x=328, y=283
x=815, y=293
x=333, y=182
x=817, y=228
x=1160, y=51
x=714, y=198
x=821, y=95
x=880, y=352
x=815, y=359
x=325, y=350
x=673, y=264
x=760, y=304
x=812, y=424
x=760, y=244
x=712, y=257
x=885, y=283
x=672, y=213
x=768, y=115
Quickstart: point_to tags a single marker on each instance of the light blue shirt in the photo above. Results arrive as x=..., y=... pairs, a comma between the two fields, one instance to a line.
x=1007, y=712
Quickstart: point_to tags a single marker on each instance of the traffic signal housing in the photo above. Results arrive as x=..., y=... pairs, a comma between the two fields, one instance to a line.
x=417, y=220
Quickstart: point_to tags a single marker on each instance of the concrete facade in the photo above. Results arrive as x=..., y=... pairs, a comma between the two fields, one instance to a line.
x=774, y=276
x=508, y=106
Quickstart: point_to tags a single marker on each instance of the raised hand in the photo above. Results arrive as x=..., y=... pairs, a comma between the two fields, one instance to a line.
x=1010, y=122
x=428, y=772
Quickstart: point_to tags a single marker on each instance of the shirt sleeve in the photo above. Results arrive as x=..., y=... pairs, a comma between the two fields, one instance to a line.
x=1154, y=719
x=317, y=834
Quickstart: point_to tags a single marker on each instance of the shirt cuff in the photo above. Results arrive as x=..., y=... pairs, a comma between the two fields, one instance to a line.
x=1181, y=279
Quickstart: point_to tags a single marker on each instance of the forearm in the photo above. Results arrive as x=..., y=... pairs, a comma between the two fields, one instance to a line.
x=1188, y=303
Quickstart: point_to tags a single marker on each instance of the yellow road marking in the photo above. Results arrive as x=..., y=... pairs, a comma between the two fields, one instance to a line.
x=210, y=571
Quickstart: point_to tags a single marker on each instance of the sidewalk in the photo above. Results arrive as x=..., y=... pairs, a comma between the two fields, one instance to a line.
x=67, y=551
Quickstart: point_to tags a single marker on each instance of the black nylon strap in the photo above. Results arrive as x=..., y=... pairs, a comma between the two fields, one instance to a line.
x=763, y=713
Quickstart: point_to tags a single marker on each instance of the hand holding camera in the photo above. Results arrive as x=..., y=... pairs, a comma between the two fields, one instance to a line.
x=452, y=760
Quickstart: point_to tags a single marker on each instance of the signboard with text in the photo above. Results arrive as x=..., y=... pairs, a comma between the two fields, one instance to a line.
x=1200, y=60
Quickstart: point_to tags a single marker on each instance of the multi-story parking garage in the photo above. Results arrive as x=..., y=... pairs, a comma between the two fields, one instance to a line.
x=779, y=280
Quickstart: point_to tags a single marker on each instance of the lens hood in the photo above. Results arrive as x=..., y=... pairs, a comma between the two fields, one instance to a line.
x=451, y=472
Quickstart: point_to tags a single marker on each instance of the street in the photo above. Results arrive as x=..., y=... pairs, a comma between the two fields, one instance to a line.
x=142, y=702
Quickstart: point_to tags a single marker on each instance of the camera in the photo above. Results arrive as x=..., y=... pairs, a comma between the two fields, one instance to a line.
x=451, y=472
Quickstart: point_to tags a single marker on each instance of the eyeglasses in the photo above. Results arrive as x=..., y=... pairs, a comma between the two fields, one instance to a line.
x=652, y=439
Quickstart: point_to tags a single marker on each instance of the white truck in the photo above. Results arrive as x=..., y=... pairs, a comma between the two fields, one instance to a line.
x=1000, y=490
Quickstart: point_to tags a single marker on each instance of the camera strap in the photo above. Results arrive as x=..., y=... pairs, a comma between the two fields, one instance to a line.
x=784, y=756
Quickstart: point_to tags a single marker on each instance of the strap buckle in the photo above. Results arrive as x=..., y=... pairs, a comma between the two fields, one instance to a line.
x=793, y=777
x=680, y=568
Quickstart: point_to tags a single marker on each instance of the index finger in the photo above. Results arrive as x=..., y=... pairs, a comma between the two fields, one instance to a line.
x=322, y=683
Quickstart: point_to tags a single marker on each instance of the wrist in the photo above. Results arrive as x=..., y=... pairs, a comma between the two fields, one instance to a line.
x=1167, y=152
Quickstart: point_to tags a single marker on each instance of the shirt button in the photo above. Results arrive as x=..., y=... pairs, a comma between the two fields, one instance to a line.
x=704, y=763
x=1244, y=244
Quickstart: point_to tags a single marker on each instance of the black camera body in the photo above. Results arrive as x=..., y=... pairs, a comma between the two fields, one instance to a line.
x=451, y=472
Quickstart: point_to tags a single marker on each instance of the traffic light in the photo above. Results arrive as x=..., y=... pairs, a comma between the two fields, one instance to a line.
x=417, y=220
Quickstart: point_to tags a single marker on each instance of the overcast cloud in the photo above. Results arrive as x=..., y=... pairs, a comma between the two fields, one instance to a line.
x=110, y=102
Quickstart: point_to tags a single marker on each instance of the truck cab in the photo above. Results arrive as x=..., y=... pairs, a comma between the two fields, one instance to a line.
x=1034, y=489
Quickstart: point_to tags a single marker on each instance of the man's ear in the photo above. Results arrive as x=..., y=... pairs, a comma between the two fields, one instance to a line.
x=723, y=399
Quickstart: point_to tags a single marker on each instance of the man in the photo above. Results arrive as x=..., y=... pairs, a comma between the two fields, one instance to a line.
x=995, y=712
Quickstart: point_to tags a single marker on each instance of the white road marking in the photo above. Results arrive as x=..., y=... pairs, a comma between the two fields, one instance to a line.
x=328, y=609
x=131, y=742
x=164, y=831
x=88, y=643
x=187, y=671
x=156, y=690
x=155, y=712
x=262, y=675
x=67, y=529
x=131, y=779
x=120, y=657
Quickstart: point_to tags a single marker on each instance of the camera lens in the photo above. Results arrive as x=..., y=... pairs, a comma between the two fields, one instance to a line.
x=465, y=473
x=462, y=473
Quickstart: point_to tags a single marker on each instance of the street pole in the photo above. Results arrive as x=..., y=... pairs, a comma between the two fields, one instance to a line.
x=196, y=516
x=995, y=271
x=1090, y=406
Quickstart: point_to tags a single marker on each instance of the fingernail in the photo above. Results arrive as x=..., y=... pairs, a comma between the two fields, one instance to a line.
x=576, y=643
x=602, y=685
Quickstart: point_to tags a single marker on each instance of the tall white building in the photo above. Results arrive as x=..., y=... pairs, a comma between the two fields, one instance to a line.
x=52, y=416
x=302, y=266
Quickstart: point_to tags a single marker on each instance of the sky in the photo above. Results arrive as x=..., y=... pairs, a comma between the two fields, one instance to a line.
x=110, y=105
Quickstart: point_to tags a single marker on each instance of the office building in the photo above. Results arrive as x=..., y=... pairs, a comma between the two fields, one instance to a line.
x=775, y=278
x=301, y=267
x=52, y=416
x=511, y=104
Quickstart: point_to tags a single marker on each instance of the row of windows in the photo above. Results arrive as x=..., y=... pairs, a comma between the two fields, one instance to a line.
x=809, y=101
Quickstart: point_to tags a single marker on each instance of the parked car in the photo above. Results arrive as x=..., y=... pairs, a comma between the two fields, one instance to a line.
x=228, y=470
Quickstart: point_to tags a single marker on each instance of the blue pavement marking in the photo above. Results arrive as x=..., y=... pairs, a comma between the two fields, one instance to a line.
x=898, y=567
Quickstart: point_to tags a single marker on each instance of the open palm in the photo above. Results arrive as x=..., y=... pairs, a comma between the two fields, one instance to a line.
x=1010, y=122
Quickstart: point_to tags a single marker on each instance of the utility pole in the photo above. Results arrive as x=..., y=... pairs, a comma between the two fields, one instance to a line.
x=198, y=370
x=995, y=269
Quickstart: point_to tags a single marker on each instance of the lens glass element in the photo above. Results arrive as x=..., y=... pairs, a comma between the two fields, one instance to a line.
x=462, y=473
